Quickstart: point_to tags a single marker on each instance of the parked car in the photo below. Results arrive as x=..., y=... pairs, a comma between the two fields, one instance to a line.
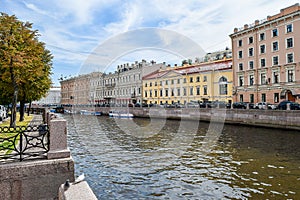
x=293, y=105
x=272, y=106
x=220, y=104
x=243, y=105
x=3, y=113
x=192, y=105
x=261, y=105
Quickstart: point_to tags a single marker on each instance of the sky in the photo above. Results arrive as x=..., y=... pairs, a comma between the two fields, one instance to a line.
x=97, y=35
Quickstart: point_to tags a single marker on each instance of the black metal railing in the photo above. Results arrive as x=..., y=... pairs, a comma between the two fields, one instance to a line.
x=24, y=142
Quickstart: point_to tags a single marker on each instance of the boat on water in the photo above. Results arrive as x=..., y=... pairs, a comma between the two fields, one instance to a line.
x=87, y=112
x=119, y=114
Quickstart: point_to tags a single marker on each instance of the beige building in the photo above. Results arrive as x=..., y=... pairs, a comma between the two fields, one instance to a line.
x=76, y=90
x=266, y=58
x=119, y=88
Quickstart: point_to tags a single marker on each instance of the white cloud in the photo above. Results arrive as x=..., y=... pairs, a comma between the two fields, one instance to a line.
x=71, y=28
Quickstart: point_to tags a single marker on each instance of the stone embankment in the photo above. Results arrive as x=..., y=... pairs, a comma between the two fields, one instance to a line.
x=286, y=119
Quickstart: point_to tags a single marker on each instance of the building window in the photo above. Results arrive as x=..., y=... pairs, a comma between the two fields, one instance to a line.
x=178, y=91
x=184, y=91
x=184, y=80
x=223, y=86
x=251, y=98
x=262, y=36
x=251, y=64
x=241, y=66
x=250, y=52
x=290, y=58
x=262, y=62
x=204, y=78
x=205, y=90
x=289, y=28
x=155, y=93
x=289, y=43
x=263, y=79
x=240, y=43
x=274, y=32
x=251, y=79
x=172, y=82
x=150, y=84
x=198, y=79
x=241, y=80
x=161, y=92
x=275, y=77
x=198, y=90
x=240, y=54
x=166, y=82
x=275, y=46
x=191, y=91
x=145, y=84
x=263, y=97
x=250, y=40
x=178, y=81
x=241, y=98
x=166, y=92
x=275, y=60
x=172, y=92
x=290, y=74
x=191, y=79
x=262, y=49
x=276, y=97
x=160, y=83
x=150, y=93
x=145, y=93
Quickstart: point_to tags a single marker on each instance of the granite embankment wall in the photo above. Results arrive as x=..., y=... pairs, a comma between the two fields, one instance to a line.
x=39, y=179
x=287, y=119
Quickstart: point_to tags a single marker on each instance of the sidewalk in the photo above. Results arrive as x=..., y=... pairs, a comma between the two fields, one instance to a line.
x=36, y=120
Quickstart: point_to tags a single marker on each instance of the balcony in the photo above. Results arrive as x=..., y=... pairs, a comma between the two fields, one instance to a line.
x=110, y=85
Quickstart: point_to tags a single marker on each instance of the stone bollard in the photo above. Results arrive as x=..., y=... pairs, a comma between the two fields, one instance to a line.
x=288, y=106
x=247, y=106
x=58, y=147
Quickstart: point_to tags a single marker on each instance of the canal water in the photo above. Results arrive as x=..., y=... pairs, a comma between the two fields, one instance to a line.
x=171, y=159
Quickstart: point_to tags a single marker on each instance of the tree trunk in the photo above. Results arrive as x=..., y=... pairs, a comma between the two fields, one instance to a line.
x=29, y=108
x=14, y=110
x=22, y=110
x=15, y=96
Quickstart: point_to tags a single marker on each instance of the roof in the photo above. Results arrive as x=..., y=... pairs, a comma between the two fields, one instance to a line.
x=191, y=69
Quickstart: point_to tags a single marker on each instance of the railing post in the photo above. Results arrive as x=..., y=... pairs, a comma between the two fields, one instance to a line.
x=21, y=145
x=58, y=147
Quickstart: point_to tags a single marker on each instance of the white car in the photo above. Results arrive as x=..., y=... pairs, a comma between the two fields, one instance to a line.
x=261, y=105
x=3, y=113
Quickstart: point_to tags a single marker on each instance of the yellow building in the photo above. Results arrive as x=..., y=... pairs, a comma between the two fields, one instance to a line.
x=208, y=81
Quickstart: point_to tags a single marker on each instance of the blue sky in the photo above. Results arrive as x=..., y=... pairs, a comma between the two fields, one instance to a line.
x=77, y=30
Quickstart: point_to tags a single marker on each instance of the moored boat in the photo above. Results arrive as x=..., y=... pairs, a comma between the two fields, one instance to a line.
x=119, y=114
x=87, y=112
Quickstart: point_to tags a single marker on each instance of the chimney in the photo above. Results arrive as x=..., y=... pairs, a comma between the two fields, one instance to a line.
x=235, y=30
x=246, y=26
x=256, y=22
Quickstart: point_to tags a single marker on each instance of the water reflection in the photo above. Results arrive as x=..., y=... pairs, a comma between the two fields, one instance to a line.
x=244, y=162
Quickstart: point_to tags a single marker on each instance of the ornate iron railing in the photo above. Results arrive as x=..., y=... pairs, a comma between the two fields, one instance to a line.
x=24, y=142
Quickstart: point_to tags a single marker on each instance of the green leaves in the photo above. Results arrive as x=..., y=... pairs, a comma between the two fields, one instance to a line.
x=25, y=63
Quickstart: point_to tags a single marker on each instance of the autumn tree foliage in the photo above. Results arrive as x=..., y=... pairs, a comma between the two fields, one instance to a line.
x=25, y=65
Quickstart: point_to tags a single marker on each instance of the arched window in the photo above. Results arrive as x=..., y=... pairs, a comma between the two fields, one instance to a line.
x=223, y=86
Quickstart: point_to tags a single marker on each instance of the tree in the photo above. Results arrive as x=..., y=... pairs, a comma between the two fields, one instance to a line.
x=25, y=64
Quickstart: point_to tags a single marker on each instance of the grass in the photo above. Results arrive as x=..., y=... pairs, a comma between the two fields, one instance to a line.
x=27, y=120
